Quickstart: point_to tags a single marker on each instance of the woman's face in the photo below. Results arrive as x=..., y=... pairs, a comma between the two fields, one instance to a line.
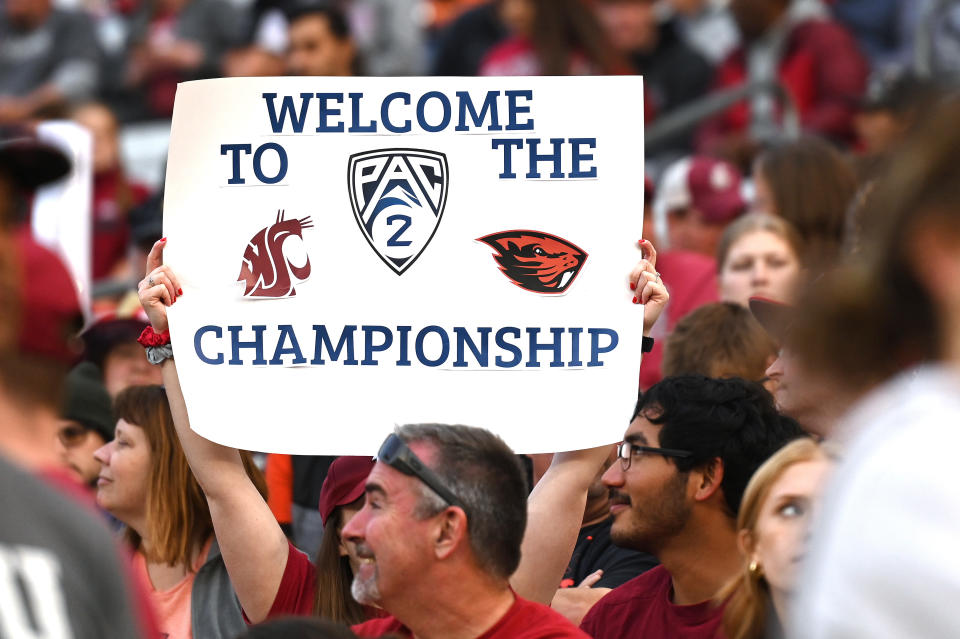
x=780, y=536
x=761, y=264
x=124, y=473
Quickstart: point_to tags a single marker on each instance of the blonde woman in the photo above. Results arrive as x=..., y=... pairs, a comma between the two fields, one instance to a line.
x=774, y=520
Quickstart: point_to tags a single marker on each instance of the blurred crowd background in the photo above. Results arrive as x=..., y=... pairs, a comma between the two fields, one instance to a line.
x=800, y=171
x=819, y=90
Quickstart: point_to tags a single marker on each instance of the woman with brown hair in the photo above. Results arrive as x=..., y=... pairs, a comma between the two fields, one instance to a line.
x=145, y=482
x=778, y=505
x=341, y=497
x=811, y=185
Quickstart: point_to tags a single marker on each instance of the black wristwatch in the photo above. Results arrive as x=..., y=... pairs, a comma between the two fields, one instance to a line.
x=647, y=345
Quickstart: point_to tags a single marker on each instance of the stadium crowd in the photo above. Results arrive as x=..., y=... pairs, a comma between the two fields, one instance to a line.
x=785, y=471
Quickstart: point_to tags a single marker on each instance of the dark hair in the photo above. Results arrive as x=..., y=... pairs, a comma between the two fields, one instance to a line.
x=813, y=186
x=336, y=19
x=848, y=329
x=719, y=340
x=299, y=627
x=484, y=473
x=732, y=419
x=334, y=577
x=563, y=28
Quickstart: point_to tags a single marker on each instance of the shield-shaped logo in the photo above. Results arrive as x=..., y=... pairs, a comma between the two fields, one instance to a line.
x=398, y=196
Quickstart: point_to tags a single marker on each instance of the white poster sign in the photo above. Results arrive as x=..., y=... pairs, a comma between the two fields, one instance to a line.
x=357, y=253
x=61, y=217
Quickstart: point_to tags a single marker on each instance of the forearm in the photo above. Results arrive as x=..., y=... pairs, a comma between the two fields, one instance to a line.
x=216, y=467
x=554, y=516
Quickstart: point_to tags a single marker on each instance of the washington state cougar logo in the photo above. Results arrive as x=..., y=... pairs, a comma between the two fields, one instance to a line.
x=536, y=261
x=266, y=270
x=398, y=197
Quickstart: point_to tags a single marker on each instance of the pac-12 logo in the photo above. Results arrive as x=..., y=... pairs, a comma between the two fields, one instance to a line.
x=398, y=196
x=269, y=265
x=536, y=261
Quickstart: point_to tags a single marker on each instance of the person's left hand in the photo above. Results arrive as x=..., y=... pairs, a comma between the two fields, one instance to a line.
x=647, y=286
x=575, y=603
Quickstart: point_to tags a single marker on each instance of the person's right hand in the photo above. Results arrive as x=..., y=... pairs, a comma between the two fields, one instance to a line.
x=159, y=289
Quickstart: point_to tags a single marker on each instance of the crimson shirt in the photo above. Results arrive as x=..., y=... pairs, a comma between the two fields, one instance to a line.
x=524, y=620
x=691, y=279
x=823, y=70
x=642, y=608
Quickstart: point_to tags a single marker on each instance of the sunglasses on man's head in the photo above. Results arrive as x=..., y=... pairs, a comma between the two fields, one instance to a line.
x=396, y=454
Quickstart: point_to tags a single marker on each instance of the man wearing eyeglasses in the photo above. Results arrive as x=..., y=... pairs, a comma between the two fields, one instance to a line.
x=87, y=423
x=683, y=465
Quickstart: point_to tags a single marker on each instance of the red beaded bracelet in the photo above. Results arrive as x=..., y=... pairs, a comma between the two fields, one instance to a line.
x=150, y=338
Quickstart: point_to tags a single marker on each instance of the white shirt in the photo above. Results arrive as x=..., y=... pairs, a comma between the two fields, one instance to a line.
x=885, y=557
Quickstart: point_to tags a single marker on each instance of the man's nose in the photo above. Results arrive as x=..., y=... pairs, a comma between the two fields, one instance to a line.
x=613, y=476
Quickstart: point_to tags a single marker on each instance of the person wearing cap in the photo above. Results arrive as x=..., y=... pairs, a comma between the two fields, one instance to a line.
x=60, y=573
x=341, y=498
x=87, y=422
x=111, y=344
x=438, y=537
x=699, y=196
x=685, y=262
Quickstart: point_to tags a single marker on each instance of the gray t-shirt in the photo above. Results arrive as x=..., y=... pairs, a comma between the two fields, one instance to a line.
x=62, y=51
x=60, y=572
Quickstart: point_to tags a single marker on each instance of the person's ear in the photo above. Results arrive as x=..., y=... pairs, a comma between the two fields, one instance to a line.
x=451, y=531
x=745, y=543
x=709, y=479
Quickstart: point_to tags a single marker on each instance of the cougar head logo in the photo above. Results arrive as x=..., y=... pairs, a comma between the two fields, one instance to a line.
x=265, y=270
x=536, y=261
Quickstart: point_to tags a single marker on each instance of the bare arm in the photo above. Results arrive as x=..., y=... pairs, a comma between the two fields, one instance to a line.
x=554, y=515
x=253, y=546
x=556, y=505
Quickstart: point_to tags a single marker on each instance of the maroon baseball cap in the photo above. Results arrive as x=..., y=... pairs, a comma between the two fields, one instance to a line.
x=709, y=185
x=50, y=315
x=345, y=482
x=110, y=329
x=715, y=189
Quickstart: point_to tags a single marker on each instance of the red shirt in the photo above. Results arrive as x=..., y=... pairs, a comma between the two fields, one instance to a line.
x=642, y=608
x=297, y=586
x=822, y=69
x=691, y=279
x=524, y=620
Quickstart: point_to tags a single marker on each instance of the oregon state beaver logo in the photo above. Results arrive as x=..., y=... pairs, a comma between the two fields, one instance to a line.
x=536, y=261
x=398, y=197
x=266, y=270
